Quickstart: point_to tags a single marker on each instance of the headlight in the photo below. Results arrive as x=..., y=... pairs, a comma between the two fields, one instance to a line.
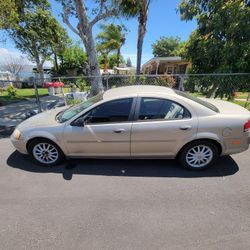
x=17, y=134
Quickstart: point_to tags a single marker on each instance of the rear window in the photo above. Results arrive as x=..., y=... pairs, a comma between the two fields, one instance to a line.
x=195, y=99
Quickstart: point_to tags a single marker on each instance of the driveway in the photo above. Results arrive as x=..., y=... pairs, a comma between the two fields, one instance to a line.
x=123, y=204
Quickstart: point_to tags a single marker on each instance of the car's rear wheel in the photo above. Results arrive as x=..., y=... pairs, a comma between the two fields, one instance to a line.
x=45, y=152
x=199, y=155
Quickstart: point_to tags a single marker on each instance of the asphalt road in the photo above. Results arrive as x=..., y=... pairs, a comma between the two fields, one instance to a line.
x=123, y=204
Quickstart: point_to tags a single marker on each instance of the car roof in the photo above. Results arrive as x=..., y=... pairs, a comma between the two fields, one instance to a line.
x=155, y=91
x=136, y=90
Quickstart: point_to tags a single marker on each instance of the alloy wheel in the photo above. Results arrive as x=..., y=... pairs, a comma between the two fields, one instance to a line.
x=45, y=153
x=199, y=156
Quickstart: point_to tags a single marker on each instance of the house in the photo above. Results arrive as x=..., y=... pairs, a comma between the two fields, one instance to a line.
x=123, y=70
x=166, y=65
x=5, y=78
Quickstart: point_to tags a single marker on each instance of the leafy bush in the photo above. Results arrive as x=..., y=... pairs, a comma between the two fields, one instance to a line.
x=2, y=89
x=11, y=91
x=82, y=85
x=73, y=102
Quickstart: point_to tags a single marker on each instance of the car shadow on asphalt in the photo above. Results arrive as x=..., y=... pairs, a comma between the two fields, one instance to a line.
x=128, y=168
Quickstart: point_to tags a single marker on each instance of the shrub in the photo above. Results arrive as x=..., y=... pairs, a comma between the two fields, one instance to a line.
x=2, y=89
x=11, y=91
x=82, y=85
x=73, y=102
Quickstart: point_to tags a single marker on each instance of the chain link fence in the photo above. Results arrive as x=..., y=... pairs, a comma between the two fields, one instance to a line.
x=224, y=86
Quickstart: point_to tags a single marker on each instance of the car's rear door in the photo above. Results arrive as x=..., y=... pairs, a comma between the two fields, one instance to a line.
x=161, y=127
x=106, y=131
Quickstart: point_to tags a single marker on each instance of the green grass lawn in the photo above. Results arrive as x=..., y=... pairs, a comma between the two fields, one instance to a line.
x=21, y=94
x=243, y=104
x=241, y=95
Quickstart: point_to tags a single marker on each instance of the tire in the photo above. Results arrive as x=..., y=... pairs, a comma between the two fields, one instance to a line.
x=45, y=152
x=199, y=155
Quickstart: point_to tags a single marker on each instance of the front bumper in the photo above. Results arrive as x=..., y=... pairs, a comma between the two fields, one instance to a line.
x=20, y=145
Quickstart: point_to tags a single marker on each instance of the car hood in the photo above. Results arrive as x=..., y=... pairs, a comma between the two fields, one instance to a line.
x=226, y=107
x=46, y=118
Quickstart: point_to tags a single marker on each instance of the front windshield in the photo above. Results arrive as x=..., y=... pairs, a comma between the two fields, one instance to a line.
x=69, y=113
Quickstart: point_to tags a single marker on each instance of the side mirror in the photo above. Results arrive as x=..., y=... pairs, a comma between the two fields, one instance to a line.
x=78, y=122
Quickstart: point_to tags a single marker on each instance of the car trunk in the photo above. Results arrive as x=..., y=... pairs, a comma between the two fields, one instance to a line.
x=228, y=108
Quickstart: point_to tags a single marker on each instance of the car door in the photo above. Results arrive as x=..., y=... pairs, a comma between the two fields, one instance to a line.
x=106, y=130
x=161, y=128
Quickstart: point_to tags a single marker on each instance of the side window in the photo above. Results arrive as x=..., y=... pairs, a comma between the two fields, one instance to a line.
x=113, y=111
x=154, y=108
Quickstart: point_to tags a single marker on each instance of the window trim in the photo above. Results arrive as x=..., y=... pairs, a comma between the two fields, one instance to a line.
x=138, y=106
x=130, y=117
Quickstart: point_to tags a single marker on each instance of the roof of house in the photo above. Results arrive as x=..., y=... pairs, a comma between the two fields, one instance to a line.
x=164, y=59
x=124, y=68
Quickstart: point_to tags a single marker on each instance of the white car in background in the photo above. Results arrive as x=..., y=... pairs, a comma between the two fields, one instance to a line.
x=137, y=122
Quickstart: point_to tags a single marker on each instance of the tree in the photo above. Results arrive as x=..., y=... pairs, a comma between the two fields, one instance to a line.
x=221, y=42
x=8, y=14
x=220, y=31
x=72, y=58
x=60, y=43
x=135, y=8
x=167, y=46
x=129, y=63
x=113, y=60
x=38, y=34
x=12, y=12
x=110, y=39
x=104, y=9
x=13, y=64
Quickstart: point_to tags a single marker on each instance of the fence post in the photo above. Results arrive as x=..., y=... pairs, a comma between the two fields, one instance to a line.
x=107, y=83
x=64, y=98
x=248, y=98
x=181, y=84
x=37, y=95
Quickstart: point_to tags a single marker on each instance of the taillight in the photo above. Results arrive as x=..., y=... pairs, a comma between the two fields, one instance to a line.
x=247, y=126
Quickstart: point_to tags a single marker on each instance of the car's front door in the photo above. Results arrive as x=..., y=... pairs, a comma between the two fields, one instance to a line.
x=161, y=128
x=106, y=131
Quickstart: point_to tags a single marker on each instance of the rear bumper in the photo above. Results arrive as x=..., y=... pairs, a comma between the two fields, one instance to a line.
x=234, y=146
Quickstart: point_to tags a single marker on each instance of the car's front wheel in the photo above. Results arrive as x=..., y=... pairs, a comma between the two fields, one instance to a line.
x=199, y=155
x=45, y=152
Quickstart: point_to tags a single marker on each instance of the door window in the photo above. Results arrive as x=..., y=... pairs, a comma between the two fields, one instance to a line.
x=110, y=112
x=156, y=108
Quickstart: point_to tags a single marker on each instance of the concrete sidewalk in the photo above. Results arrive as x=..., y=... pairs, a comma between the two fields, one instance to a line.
x=11, y=115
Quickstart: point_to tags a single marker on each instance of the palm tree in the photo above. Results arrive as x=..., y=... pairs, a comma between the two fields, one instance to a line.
x=110, y=39
x=137, y=8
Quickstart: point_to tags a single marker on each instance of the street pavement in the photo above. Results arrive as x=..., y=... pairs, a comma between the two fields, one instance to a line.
x=123, y=204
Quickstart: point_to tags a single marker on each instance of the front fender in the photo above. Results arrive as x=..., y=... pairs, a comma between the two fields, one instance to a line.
x=46, y=135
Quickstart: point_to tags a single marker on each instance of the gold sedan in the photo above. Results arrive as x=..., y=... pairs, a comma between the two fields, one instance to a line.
x=137, y=122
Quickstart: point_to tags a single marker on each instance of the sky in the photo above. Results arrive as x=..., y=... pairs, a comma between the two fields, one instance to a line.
x=163, y=20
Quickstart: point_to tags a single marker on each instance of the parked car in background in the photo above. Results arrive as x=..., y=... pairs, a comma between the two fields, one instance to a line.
x=137, y=122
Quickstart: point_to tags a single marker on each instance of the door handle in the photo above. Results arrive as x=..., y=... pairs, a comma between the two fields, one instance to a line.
x=119, y=130
x=185, y=127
